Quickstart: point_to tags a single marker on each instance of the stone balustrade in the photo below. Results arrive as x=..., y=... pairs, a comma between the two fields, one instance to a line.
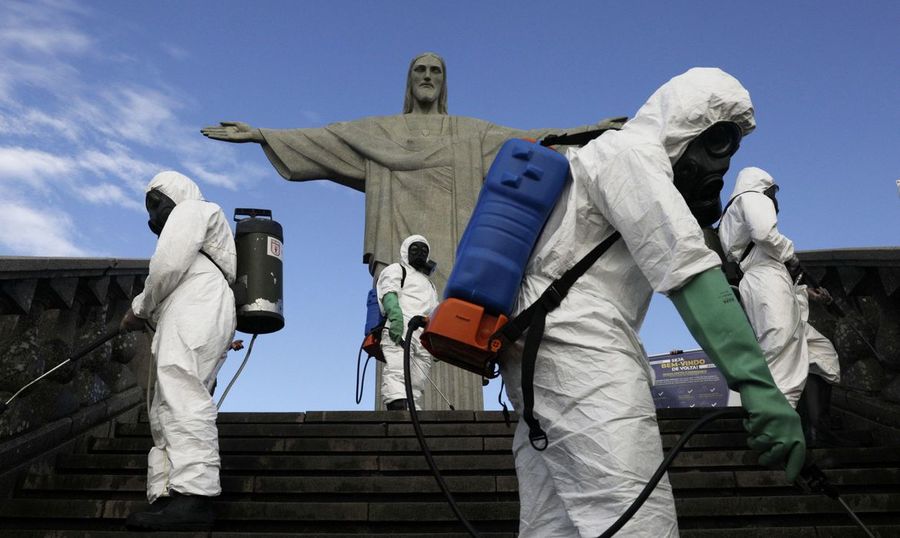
x=50, y=308
x=865, y=284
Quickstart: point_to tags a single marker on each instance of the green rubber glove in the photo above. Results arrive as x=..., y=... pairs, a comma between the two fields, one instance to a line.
x=711, y=312
x=391, y=304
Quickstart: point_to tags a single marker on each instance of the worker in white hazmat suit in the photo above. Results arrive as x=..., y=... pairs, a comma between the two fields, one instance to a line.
x=749, y=235
x=188, y=300
x=592, y=380
x=405, y=290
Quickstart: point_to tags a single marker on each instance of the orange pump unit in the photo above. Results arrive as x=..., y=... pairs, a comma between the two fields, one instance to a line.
x=519, y=191
x=460, y=333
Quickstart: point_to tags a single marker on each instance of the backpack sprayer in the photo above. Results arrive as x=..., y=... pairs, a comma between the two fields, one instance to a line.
x=257, y=290
x=471, y=326
x=374, y=328
x=258, y=287
x=519, y=192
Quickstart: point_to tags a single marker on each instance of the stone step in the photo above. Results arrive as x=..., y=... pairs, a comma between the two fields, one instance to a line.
x=687, y=414
x=355, y=417
x=401, y=428
x=388, y=444
x=233, y=445
x=683, y=482
x=493, y=463
x=877, y=507
x=819, y=531
x=349, y=473
x=30, y=533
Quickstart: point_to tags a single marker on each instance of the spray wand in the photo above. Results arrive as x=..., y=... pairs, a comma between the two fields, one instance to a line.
x=75, y=356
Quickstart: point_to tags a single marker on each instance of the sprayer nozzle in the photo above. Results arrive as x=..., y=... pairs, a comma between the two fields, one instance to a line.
x=416, y=322
x=813, y=480
x=3, y=407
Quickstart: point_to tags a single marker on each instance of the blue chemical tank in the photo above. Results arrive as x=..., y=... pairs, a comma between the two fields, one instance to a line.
x=373, y=313
x=518, y=195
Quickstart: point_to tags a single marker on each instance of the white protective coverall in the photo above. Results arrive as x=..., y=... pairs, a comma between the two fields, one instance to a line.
x=417, y=297
x=823, y=358
x=768, y=294
x=592, y=379
x=189, y=301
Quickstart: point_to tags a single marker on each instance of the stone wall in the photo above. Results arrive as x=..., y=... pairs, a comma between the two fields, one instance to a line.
x=49, y=309
x=865, y=325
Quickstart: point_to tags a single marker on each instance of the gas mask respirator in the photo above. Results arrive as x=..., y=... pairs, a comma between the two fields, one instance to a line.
x=771, y=192
x=418, y=258
x=158, y=207
x=700, y=170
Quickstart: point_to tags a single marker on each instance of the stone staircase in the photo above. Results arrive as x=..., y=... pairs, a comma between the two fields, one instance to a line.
x=348, y=473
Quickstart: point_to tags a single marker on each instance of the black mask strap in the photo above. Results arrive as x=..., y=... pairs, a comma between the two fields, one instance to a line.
x=770, y=192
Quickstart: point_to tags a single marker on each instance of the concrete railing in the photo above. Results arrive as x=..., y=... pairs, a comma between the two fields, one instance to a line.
x=49, y=308
x=866, y=286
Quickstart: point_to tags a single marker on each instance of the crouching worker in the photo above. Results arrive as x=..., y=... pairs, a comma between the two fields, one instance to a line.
x=405, y=290
x=655, y=182
x=187, y=298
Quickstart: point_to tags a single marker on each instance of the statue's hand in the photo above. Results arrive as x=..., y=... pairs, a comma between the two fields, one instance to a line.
x=233, y=131
x=612, y=123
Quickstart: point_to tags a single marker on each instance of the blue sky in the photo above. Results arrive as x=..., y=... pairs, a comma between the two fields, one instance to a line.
x=96, y=97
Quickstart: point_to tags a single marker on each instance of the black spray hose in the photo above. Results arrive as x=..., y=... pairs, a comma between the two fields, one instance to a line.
x=811, y=477
x=75, y=356
x=238, y=373
x=361, y=383
x=663, y=467
x=415, y=323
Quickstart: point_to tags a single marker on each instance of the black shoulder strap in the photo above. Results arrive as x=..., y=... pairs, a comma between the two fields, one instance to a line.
x=208, y=257
x=533, y=319
x=403, y=278
x=747, y=251
x=733, y=198
x=751, y=244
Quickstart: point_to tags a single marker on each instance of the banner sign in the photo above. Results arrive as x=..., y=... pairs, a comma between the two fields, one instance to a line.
x=689, y=379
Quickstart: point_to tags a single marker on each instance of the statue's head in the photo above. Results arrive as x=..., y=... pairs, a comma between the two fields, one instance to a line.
x=426, y=82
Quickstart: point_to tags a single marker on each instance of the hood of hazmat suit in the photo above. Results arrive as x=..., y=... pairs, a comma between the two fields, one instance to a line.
x=592, y=381
x=752, y=217
x=770, y=297
x=417, y=297
x=187, y=295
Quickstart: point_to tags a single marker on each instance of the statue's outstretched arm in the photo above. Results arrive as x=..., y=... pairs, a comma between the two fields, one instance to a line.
x=233, y=131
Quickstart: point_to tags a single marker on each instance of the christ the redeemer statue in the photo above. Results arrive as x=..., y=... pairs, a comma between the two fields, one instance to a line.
x=421, y=172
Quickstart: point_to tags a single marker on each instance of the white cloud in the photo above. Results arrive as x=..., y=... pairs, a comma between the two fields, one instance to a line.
x=141, y=115
x=176, y=52
x=108, y=194
x=45, y=41
x=46, y=74
x=198, y=172
x=26, y=231
x=94, y=138
x=32, y=167
x=118, y=162
x=20, y=123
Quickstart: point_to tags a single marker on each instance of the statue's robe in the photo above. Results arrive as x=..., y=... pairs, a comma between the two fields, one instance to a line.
x=421, y=174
